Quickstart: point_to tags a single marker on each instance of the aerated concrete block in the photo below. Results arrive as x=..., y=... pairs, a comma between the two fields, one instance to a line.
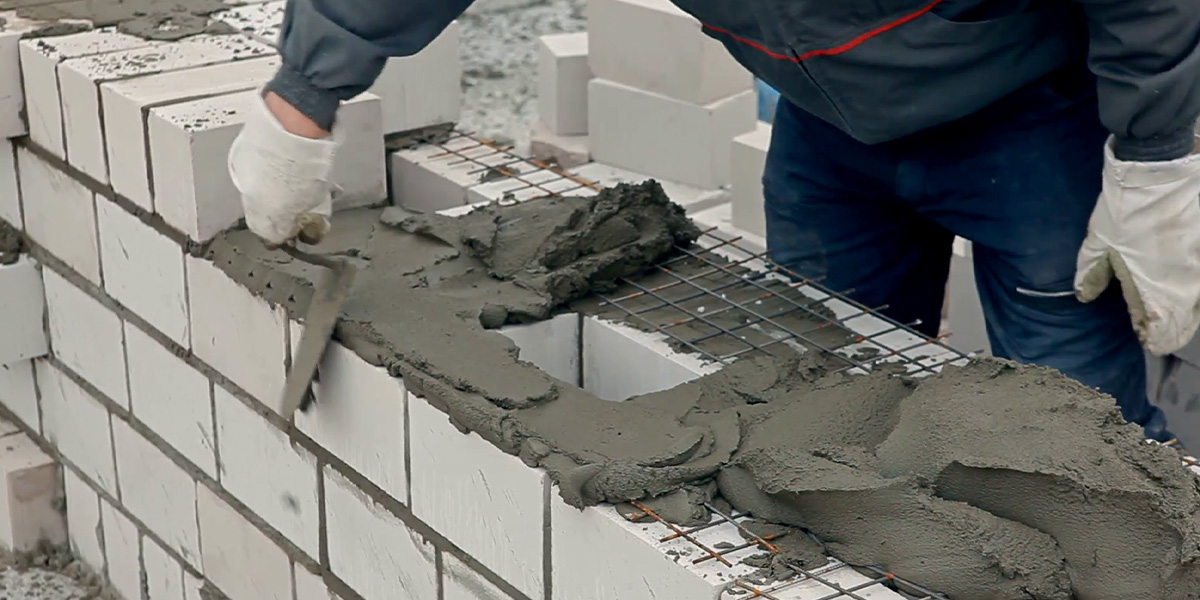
x=551, y=345
x=485, y=501
x=86, y=336
x=424, y=89
x=359, y=418
x=23, y=300
x=19, y=394
x=236, y=332
x=372, y=550
x=718, y=222
x=40, y=58
x=360, y=167
x=163, y=575
x=143, y=270
x=10, y=195
x=83, y=521
x=126, y=103
x=563, y=74
x=77, y=425
x=60, y=214
x=652, y=45
x=564, y=150
x=239, y=559
x=433, y=177
x=80, y=80
x=664, y=137
x=172, y=398
x=28, y=495
x=620, y=362
x=747, y=160
x=122, y=551
x=459, y=582
x=310, y=586
x=266, y=472
x=156, y=491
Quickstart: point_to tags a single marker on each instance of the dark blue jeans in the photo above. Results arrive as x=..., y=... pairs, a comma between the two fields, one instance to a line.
x=1018, y=179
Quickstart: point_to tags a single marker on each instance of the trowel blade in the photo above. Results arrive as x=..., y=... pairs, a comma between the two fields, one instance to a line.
x=322, y=315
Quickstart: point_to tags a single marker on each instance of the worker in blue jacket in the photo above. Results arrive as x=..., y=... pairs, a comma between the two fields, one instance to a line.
x=1057, y=135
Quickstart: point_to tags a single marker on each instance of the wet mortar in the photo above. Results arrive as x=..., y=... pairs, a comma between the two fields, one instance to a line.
x=991, y=481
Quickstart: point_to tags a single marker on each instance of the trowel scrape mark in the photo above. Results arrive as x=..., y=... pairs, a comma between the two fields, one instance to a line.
x=986, y=482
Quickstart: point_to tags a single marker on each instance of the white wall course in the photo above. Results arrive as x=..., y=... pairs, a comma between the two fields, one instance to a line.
x=83, y=521
x=164, y=576
x=12, y=99
x=563, y=73
x=80, y=80
x=261, y=20
x=10, y=196
x=122, y=551
x=424, y=89
x=654, y=46
x=60, y=214
x=78, y=426
x=237, y=333
x=143, y=270
x=86, y=336
x=28, y=492
x=192, y=586
x=664, y=137
x=459, y=582
x=39, y=70
x=359, y=418
x=620, y=362
x=238, y=558
x=310, y=586
x=747, y=159
x=173, y=399
x=373, y=551
x=483, y=500
x=156, y=491
x=263, y=469
x=126, y=102
x=24, y=301
x=435, y=177
x=19, y=394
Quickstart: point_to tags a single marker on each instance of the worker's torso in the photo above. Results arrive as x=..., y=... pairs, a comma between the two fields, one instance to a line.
x=883, y=69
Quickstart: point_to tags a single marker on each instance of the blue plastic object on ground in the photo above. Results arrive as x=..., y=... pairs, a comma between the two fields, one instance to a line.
x=767, y=99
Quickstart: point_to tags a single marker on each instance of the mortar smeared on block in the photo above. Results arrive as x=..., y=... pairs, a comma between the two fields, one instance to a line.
x=987, y=482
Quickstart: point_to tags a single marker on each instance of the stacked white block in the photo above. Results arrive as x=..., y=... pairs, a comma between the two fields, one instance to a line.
x=747, y=159
x=28, y=493
x=23, y=336
x=417, y=91
x=560, y=132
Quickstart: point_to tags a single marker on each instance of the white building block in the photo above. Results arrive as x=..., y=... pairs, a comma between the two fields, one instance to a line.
x=486, y=502
x=237, y=333
x=122, y=551
x=459, y=582
x=12, y=99
x=173, y=399
x=80, y=79
x=192, y=587
x=156, y=491
x=164, y=576
x=39, y=68
x=8, y=428
x=563, y=74
x=18, y=393
x=310, y=586
x=530, y=181
x=83, y=521
x=620, y=362
x=260, y=20
x=373, y=551
x=86, y=337
x=78, y=426
x=424, y=89
x=654, y=46
x=359, y=418
x=360, y=165
x=143, y=270
x=552, y=346
x=718, y=222
x=692, y=199
x=60, y=214
x=261, y=468
x=664, y=137
x=28, y=492
x=747, y=160
x=126, y=103
x=238, y=558
x=430, y=178
x=10, y=196
x=564, y=150
x=24, y=301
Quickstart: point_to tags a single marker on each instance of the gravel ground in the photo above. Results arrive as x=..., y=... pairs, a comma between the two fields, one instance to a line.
x=499, y=61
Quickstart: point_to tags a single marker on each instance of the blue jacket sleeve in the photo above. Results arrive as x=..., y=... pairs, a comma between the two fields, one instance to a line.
x=333, y=50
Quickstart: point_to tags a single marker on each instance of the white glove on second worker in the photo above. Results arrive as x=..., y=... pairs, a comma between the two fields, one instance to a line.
x=283, y=177
x=1145, y=231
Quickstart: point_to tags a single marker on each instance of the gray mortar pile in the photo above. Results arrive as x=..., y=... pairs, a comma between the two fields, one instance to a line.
x=987, y=482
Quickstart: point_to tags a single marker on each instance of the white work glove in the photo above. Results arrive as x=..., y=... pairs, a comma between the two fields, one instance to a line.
x=1145, y=231
x=283, y=178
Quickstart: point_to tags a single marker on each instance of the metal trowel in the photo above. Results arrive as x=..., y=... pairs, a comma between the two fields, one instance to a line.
x=332, y=287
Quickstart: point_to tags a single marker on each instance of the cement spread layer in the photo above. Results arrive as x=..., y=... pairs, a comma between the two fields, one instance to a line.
x=165, y=20
x=987, y=482
x=11, y=243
